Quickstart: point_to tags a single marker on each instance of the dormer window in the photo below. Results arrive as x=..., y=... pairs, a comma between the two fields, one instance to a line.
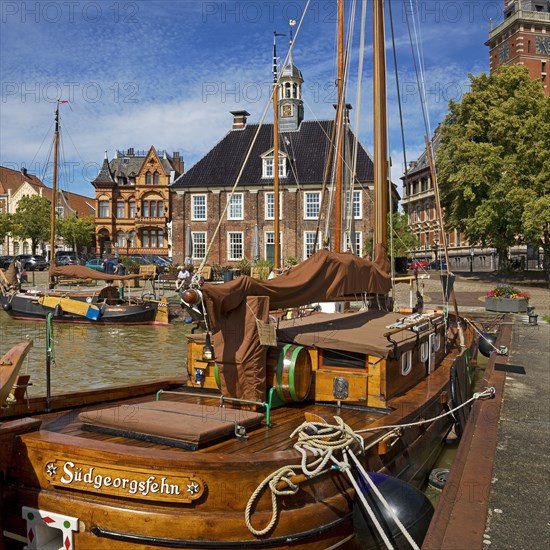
x=268, y=167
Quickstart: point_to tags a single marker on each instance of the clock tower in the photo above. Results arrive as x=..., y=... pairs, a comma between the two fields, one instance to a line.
x=291, y=106
x=523, y=38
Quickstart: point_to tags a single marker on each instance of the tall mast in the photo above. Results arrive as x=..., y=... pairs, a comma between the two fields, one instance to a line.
x=276, y=258
x=339, y=135
x=381, y=192
x=54, y=187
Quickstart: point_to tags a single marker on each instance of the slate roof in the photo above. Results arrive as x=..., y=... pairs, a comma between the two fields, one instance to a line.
x=307, y=149
x=423, y=162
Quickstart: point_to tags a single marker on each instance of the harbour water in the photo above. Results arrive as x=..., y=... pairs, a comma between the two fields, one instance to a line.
x=93, y=356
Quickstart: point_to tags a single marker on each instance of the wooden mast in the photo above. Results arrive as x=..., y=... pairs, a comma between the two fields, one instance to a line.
x=276, y=229
x=54, y=189
x=339, y=134
x=381, y=192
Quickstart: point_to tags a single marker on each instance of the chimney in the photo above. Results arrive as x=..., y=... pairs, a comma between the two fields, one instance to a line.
x=131, y=152
x=24, y=171
x=239, y=119
x=177, y=162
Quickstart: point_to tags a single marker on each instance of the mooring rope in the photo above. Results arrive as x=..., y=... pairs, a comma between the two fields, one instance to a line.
x=321, y=441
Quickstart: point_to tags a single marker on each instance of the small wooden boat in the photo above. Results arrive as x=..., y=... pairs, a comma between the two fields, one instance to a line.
x=9, y=368
x=81, y=307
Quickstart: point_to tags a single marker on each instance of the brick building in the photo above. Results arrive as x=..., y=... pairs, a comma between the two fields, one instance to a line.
x=202, y=194
x=523, y=38
x=133, y=202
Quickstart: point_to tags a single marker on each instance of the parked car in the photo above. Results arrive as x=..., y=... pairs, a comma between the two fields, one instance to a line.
x=5, y=261
x=67, y=260
x=96, y=263
x=418, y=264
x=439, y=265
x=32, y=263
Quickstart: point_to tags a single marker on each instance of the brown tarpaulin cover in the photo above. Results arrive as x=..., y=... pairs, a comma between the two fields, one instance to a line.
x=240, y=356
x=325, y=276
x=354, y=332
x=82, y=272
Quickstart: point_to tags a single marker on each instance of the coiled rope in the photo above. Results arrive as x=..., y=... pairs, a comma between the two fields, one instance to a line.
x=318, y=444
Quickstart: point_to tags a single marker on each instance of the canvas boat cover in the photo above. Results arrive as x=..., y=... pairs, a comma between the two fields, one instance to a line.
x=82, y=272
x=233, y=309
x=324, y=277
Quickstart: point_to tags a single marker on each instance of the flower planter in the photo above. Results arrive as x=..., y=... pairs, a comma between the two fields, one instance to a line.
x=506, y=305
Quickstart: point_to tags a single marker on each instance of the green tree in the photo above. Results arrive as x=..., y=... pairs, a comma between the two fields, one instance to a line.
x=31, y=220
x=493, y=162
x=404, y=241
x=77, y=231
x=5, y=226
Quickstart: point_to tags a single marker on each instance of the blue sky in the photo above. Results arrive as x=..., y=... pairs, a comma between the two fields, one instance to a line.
x=167, y=73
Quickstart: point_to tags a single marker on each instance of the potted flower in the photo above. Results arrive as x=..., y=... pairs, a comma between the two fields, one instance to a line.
x=506, y=299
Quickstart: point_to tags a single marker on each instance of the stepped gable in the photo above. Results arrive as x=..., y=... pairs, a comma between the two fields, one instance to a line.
x=307, y=149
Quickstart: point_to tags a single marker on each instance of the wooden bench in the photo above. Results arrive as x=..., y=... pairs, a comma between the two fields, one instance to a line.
x=167, y=280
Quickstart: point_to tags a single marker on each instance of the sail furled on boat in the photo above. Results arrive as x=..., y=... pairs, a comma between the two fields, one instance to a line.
x=325, y=276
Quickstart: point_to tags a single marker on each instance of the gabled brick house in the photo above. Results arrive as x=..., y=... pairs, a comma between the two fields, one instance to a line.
x=201, y=195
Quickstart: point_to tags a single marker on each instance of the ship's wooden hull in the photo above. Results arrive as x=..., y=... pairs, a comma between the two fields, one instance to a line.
x=94, y=478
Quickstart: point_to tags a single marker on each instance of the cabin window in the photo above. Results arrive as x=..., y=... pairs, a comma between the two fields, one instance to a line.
x=198, y=207
x=236, y=207
x=334, y=358
x=103, y=209
x=270, y=206
x=199, y=244
x=406, y=362
x=437, y=342
x=424, y=349
x=309, y=243
x=235, y=243
x=120, y=209
x=312, y=205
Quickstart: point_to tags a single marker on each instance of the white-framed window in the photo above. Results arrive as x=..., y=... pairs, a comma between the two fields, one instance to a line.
x=235, y=211
x=357, y=206
x=198, y=207
x=235, y=245
x=312, y=204
x=358, y=245
x=270, y=206
x=267, y=164
x=406, y=362
x=309, y=242
x=199, y=244
x=121, y=239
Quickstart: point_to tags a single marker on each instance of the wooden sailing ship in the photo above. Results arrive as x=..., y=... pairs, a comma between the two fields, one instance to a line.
x=257, y=448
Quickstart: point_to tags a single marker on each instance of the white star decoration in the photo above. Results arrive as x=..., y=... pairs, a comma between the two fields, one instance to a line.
x=192, y=488
x=51, y=470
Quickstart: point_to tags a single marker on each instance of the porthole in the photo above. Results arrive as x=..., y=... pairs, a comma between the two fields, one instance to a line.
x=437, y=342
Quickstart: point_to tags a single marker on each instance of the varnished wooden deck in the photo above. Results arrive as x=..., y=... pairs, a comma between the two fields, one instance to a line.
x=273, y=438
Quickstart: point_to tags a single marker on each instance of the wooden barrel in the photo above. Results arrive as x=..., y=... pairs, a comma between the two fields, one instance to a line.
x=289, y=372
